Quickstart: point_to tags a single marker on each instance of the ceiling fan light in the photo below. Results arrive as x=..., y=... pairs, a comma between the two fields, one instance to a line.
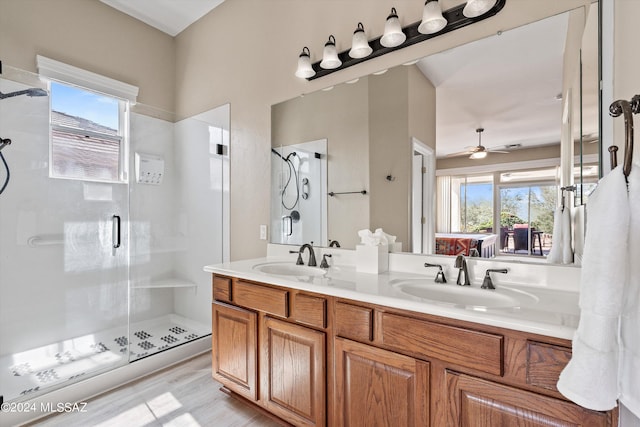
x=305, y=70
x=330, y=58
x=432, y=19
x=393, y=35
x=478, y=155
x=360, y=45
x=475, y=8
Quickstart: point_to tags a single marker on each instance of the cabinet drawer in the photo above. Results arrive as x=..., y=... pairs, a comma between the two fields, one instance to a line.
x=310, y=310
x=261, y=298
x=221, y=288
x=354, y=322
x=544, y=364
x=476, y=350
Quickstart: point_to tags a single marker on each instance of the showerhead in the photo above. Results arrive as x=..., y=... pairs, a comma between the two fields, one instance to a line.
x=293, y=153
x=4, y=142
x=28, y=92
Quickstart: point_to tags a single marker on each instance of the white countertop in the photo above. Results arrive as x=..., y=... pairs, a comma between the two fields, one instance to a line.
x=552, y=312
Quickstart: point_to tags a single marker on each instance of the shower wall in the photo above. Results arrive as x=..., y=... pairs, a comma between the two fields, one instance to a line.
x=200, y=197
x=176, y=226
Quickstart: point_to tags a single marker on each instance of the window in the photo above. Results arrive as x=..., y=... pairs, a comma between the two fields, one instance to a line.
x=87, y=135
x=527, y=203
x=472, y=204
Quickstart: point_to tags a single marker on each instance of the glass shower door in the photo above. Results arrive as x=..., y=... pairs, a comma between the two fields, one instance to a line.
x=63, y=256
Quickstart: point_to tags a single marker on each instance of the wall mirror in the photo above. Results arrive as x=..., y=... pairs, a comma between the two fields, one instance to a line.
x=392, y=150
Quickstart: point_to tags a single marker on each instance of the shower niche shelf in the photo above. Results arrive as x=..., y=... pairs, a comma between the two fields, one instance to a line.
x=164, y=283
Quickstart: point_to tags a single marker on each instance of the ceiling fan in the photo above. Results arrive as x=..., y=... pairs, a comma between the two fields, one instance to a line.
x=479, y=151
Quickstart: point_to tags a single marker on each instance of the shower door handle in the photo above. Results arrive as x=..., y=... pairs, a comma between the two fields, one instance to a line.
x=287, y=225
x=115, y=231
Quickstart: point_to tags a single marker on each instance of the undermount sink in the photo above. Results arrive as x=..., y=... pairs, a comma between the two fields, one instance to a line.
x=287, y=269
x=474, y=298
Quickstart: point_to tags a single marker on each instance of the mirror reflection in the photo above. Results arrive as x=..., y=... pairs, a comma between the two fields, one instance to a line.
x=458, y=152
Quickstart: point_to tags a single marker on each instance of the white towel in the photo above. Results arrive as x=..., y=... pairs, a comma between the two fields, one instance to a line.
x=567, y=252
x=561, y=252
x=630, y=319
x=591, y=377
x=555, y=254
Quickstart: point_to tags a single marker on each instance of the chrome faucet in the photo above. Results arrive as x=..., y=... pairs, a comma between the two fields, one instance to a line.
x=312, y=255
x=487, y=283
x=440, y=278
x=461, y=265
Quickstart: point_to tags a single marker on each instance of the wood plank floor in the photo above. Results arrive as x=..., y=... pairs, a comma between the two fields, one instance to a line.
x=184, y=395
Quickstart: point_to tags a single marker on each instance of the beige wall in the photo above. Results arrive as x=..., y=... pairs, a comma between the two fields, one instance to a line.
x=422, y=108
x=626, y=66
x=90, y=35
x=389, y=152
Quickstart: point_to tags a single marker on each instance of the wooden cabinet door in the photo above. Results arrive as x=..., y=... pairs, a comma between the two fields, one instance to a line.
x=479, y=403
x=376, y=387
x=293, y=372
x=235, y=348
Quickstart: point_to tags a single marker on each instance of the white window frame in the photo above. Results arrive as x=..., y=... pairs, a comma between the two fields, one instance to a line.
x=124, y=93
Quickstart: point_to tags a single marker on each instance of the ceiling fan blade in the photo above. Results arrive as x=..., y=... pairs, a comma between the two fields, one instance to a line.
x=460, y=153
x=498, y=151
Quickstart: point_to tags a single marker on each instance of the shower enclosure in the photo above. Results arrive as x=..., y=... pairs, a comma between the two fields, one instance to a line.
x=299, y=193
x=95, y=275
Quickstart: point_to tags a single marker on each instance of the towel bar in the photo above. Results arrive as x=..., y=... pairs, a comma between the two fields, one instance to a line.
x=363, y=192
x=626, y=108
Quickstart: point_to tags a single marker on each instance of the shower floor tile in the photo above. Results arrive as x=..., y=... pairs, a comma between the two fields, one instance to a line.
x=36, y=370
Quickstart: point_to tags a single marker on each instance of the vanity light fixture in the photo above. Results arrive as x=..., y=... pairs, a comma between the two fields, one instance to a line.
x=360, y=45
x=432, y=19
x=434, y=23
x=330, y=58
x=393, y=35
x=305, y=70
x=475, y=8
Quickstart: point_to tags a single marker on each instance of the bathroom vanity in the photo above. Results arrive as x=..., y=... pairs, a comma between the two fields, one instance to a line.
x=346, y=348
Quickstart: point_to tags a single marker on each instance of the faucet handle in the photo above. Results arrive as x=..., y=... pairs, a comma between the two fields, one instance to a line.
x=299, y=261
x=487, y=283
x=324, y=263
x=439, y=275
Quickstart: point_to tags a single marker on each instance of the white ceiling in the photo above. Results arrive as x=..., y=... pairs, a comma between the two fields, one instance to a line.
x=506, y=84
x=169, y=16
